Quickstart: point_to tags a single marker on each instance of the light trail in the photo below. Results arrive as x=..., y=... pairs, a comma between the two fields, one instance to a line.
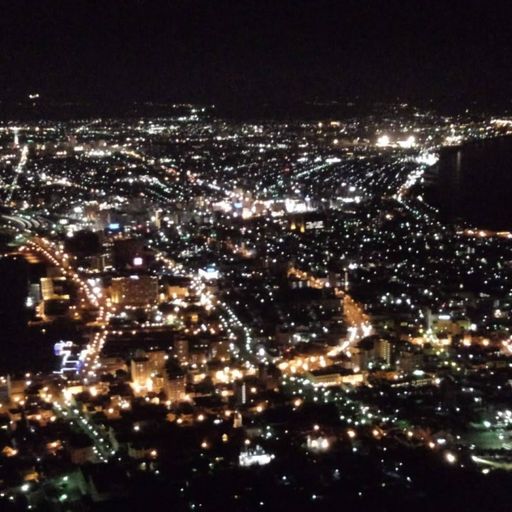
x=17, y=172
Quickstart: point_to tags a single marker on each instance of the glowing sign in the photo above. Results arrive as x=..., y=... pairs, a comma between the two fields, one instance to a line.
x=64, y=350
x=209, y=273
x=62, y=347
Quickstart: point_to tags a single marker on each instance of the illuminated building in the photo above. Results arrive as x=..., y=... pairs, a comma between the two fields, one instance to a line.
x=177, y=287
x=158, y=382
x=140, y=369
x=240, y=391
x=54, y=288
x=334, y=376
x=383, y=350
x=34, y=295
x=157, y=360
x=237, y=420
x=175, y=386
x=181, y=349
x=134, y=290
x=372, y=350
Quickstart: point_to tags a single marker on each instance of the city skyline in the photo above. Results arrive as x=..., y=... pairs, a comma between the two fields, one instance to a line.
x=255, y=256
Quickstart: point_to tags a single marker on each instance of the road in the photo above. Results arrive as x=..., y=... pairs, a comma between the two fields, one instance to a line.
x=356, y=319
x=17, y=172
x=89, y=296
x=101, y=444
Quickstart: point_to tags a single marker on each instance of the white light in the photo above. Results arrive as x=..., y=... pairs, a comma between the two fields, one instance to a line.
x=383, y=141
x=253, y=457
x=450, y=457
x=407, y=143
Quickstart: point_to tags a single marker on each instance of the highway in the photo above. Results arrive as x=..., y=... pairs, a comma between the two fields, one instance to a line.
x=17, y=172
x=88, y=296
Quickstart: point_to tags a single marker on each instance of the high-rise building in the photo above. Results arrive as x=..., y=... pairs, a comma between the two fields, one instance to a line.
x=181, y=350
x=134, y=290
x=382, y=350
x=34, y=294
x=157, y=360
x=370, y=351
x=176, y=386
x=140, y=369
x=237, y=420
x=240, y=392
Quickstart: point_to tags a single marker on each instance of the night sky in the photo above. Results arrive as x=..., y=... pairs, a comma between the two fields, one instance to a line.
x=257, y=52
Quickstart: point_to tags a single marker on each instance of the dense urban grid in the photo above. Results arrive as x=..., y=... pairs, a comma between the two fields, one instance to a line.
x=205, y=314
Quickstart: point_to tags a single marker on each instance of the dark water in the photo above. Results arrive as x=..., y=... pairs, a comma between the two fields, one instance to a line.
x=475, y=183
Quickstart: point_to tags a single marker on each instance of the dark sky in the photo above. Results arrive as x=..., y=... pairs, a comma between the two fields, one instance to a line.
x=221, y=51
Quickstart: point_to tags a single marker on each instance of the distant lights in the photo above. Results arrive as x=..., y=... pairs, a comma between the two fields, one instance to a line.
x=450, y=458
x=383, y=141
x=351, y=433
x=410, y=142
